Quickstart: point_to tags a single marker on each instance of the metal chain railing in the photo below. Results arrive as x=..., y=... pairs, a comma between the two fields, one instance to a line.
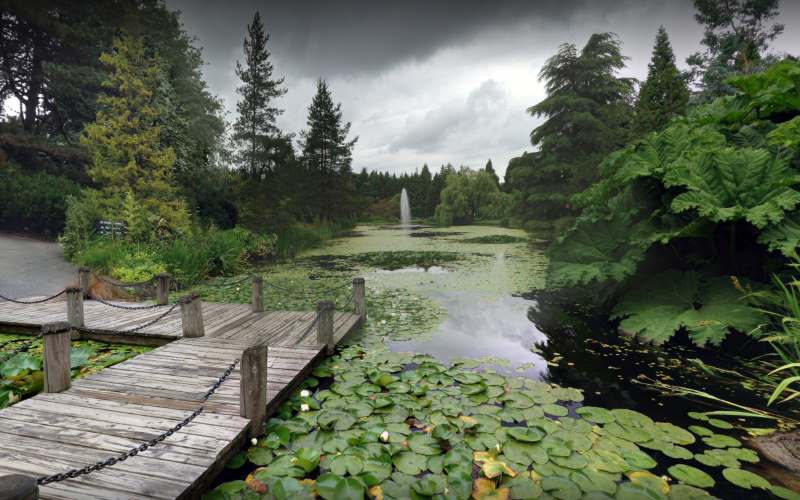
x=209, y=282
x=123, y=284
x=307, y=293
x=130, y=308
x=138, y=328
x=71, y=474
x=36, y=301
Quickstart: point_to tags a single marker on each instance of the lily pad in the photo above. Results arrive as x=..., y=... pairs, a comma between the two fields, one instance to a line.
x=691, y=476
x=745, y=479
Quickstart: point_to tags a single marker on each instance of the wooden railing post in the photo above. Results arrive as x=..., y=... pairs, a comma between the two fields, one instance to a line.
x=75, y=307
x=84, y=273
x=360, y=298
x=192, y=316
x=325, y=325
x=258, y=294
x=19, y=487
x=253, y=388
x=55, y=338
x=163, y=281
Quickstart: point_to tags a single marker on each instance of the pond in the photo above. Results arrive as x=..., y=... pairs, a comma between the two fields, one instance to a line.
x=445, y=304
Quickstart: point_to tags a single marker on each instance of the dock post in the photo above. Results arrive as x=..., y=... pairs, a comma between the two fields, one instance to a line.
x=360, y=298
x=325, y=325
x=192, y=316
x=19, y=487
x=162, y=288
x=253, y=388
x=75, y=307
x=83, y=280
x=55, y=338
x=258, y=294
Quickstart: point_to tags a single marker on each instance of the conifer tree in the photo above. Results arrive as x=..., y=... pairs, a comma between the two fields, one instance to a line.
x=490, y=169
x=255, y=133
x=327, y=155
x=664, y=94
x=129, y=158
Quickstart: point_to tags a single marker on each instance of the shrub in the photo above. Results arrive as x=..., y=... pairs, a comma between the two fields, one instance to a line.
x=83, y=212
x=34, y=202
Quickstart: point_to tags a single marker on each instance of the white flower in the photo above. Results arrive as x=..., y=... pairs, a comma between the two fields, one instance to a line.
x=304, y=407
x=383, y=321
x=497, y=446
x=254, y=441
x=305, y=393
x=385, y=436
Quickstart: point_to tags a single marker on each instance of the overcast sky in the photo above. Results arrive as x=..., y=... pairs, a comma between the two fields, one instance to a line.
x=432, y=81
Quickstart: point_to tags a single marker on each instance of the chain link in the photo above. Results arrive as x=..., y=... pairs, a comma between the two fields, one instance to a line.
x=37, y=301
x=71, y=474
x=130, y=308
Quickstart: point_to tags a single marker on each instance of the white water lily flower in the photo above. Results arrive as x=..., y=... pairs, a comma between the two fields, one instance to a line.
x=497, y=446
x=305, y=393
x=304, y=407
x=254, y=441
x=385, y=436
x=383, y=321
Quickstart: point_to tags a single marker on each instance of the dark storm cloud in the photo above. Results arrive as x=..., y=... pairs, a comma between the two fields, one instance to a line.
x=352, y=36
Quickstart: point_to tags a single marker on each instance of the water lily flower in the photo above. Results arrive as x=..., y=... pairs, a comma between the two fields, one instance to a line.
x=304, y=407
x=254, y=441
x=385, y=436
x=305, y=393
x=497, y=447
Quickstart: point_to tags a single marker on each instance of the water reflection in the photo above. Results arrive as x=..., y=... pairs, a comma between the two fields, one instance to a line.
x=481, y=325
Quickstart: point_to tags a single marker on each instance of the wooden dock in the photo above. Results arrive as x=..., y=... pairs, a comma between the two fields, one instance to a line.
x=107, y=414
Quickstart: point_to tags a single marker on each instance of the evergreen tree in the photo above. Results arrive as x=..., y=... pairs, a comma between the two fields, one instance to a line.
x=737, y=35
x=664, y=94
x=327, y=155
x=490, y=169
x=254, y=132
x=587, y=115
x=130, y=160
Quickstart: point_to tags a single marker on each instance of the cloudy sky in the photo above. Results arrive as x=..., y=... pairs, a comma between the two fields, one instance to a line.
x=431, y=81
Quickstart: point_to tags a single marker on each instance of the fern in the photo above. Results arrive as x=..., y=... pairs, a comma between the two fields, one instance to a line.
x=673, y=301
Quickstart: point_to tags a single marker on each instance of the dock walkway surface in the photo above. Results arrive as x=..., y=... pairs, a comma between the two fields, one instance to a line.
x=123, y=406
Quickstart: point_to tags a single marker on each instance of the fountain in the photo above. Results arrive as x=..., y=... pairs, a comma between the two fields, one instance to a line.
x=405, y=209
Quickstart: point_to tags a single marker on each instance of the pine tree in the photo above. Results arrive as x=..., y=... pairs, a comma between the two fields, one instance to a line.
x=125, y=140
x=737, y=35
x=327, y=155
x=587, y=115
x=490, y=169
x=255, y=132
x=664, y=94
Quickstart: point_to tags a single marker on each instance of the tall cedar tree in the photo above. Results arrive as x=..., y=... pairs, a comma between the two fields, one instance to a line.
x=255, y=133
x=125, y=141
x=664, y=94
x=737, y=35
x=587, y=115
x=327, y=155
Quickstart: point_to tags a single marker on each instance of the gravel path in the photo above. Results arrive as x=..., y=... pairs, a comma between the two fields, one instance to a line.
x=30, y=267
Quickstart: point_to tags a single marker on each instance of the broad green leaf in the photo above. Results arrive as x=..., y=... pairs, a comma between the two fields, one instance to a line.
x=745, y=479
x=691, y=476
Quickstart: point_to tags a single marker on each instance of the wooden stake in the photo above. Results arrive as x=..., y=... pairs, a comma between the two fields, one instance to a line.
x=192, y=317
x=19, y=487
x=258, y=294
x=75, y=307
x=253, y=388
x=360, y=298
x=56, y=356
x=163, y=281
x=84, y=273
x=325, y=325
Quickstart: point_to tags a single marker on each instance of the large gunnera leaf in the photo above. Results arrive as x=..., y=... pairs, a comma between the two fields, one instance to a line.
x=783, y=237
x=673, y=300
x=594, y=252
x=732, y=184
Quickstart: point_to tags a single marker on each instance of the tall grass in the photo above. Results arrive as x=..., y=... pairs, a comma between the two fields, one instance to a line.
x=298, y=237
x=782, y=305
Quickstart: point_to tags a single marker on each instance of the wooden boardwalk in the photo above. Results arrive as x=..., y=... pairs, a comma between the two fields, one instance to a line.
x=108, y=413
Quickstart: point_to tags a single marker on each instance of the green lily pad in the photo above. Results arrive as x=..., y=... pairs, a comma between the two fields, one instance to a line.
x=259, y=455
x=745, y=479
x=720, y=424
x=721, y=441
x=555, y=410
x=410, y=462
x=596, y=414
x=346, y=464
x=527, y=435
x=691, y=476
x=701, y=431
x=561, y=488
